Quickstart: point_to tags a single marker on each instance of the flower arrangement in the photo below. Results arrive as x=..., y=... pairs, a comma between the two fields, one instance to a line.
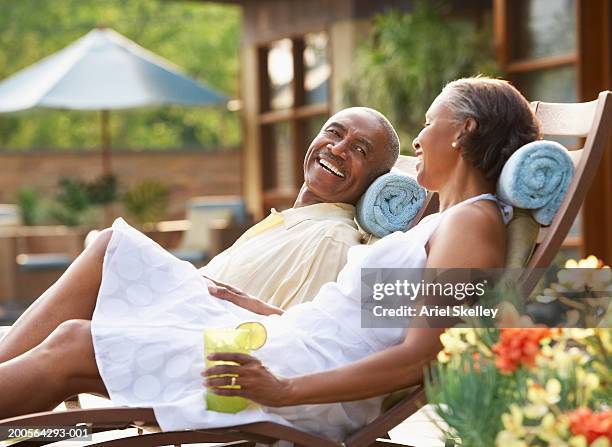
x=526, y=386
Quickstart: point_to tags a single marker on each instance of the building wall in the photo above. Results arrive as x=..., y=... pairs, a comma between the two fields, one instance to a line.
x=267, y=20
x=188, y=173
x=346, y=22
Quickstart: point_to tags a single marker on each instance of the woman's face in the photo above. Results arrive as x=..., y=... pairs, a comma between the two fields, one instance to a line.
x=433, y=145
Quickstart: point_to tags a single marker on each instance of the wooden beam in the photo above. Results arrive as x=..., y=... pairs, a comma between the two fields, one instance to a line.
x=542, y=63
x=292, y=114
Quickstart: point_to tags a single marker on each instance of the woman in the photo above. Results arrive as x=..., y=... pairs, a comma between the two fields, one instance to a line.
x=143, y=345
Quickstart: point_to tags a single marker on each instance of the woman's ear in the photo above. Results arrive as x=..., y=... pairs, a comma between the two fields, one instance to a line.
x=469, y=126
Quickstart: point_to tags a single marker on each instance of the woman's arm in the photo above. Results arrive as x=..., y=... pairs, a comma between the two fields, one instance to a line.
x=394, y=368
x=386, y=371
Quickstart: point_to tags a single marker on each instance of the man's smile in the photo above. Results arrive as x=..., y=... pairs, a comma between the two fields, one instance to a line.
x=331, y=167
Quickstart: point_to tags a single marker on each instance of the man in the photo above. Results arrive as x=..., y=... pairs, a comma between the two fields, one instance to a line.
x=286, y=258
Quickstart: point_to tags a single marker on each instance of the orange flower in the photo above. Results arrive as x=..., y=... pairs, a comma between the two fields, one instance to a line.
x=518, y=347
x=476, y=358
x=475, y=363
x=591, y=425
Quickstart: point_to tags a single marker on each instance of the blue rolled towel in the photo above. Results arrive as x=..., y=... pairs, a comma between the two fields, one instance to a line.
x=536, y=177
x=389, y=204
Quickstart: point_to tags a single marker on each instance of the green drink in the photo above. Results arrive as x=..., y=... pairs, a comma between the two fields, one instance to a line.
x=224, y=340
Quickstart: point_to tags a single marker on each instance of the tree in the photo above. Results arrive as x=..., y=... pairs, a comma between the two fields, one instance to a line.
x=203, y=39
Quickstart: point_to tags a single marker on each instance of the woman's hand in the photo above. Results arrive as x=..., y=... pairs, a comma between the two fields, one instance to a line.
x=240, y=298
x=252, y=380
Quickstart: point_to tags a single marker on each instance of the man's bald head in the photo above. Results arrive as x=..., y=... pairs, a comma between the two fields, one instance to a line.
x=393, y=142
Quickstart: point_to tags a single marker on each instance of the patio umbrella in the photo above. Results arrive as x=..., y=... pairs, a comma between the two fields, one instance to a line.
x=103, y=70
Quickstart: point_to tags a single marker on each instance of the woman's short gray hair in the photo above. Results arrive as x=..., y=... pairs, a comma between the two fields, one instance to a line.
x=504, y=121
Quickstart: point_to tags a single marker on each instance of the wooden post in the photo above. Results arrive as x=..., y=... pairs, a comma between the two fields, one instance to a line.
x=595, y=75
x=251, y=158
x=106, y=158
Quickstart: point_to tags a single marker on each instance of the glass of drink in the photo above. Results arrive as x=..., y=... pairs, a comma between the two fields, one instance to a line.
x=249, y=335
x=224, y=340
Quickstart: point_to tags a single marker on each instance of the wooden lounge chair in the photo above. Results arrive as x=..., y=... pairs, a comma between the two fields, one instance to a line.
x=536, y=250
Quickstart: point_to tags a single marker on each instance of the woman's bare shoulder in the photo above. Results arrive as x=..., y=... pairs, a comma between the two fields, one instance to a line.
x=470, y=236
x=483, y=215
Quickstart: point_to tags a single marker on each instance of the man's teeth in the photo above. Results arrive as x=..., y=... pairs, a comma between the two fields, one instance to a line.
x=330, y=167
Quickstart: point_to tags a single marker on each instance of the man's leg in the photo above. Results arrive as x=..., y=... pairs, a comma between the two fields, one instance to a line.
x=59, y=367
x=73, y=296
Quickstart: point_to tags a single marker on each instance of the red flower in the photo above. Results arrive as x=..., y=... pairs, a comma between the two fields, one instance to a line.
x=591, y=425
x=518, y=346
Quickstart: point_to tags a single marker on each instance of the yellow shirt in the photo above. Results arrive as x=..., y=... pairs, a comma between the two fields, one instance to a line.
x=287, y=257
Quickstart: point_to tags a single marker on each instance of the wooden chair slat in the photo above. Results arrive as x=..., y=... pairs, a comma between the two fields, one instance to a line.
x=407, y=164
x=574, y=120
x=585, y=168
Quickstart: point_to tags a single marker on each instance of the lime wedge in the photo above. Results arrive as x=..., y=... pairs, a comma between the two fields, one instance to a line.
x=252, y=335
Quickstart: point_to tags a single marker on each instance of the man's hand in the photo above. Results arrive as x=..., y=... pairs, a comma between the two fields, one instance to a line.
x=250, y=379
x=240, y=298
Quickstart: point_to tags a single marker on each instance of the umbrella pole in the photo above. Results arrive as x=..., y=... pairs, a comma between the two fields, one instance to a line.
x=106, y=142
x=106, y=159
x=222, y=126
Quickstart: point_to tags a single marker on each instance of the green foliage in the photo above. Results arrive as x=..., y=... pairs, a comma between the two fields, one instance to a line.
x=201, y=38
x=411, y=57
x=64, y=216
x=28, y=203
x=71, y=202
x=471, y=403
x=78, y=201
x=102, y=190
x=147, y=201
x=73, y=194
